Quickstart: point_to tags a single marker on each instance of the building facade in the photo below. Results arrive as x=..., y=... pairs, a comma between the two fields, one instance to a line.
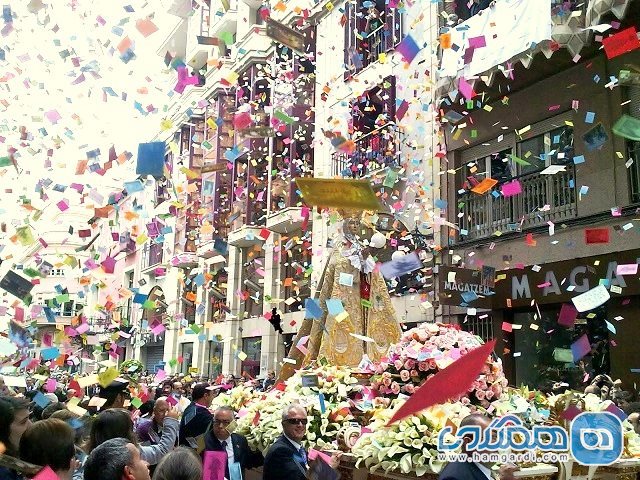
x=544, y=192
x=243, y=245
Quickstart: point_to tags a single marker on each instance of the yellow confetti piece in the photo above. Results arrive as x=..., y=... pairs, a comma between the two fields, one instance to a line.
x=108, y=376
x=141, y=238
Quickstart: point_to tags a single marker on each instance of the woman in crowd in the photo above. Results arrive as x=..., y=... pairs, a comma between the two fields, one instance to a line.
x=181, y=464
x=14, y=421
x=117, y=423
x=50, y=443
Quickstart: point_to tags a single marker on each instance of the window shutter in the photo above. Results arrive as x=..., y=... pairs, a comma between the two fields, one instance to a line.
x=393, y=27
x=350, y=32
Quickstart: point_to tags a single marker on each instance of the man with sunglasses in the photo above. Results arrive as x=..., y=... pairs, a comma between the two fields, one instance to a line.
x=287, y=458
x=221, y=438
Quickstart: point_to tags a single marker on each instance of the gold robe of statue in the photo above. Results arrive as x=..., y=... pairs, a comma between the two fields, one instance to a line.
x=331, y=338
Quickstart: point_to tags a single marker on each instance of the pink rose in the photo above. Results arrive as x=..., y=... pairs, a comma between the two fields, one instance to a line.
x=410, y=364
x=404, y=375
x=410, y=389
x=414, y=373
x=489, y=395
x=395, y=388
x=432, y=364
x=480, y=394
x=423, y=366
x=465, y=401
x=386, y=382
x=496, y=389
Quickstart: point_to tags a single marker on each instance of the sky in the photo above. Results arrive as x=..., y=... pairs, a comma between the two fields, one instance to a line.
x=59, y=57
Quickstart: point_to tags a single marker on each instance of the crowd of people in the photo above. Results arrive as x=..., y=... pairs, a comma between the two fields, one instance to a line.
x=169, y=437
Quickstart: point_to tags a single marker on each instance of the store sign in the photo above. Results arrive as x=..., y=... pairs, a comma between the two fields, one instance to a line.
x=285, y=35
x=558, y=282
x=466, y=287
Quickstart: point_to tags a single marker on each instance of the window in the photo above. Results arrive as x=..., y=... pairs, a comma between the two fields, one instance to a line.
x=252, y=348
x=295, y=260
x=126, y=313
x=541, y=198
x=482, y=326
x=189, y=299
x=252, y=281
x=186, y=352
x=287, y=340
x=217, y=294
x=213, y=361
x=545, y=359
x=633, y=147
x=372, y=28
x=67, y=309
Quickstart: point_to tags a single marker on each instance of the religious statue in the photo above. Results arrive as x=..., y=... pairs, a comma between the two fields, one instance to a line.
x=367, y=326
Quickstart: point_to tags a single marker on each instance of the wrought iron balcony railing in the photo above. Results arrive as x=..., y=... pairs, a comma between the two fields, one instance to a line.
x=544, y=198
x=377, y=149
x=152, y=255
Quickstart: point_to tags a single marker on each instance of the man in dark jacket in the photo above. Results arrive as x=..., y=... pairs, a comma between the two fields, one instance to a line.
x=222, y=439
x=196, y=418
x=287, y=458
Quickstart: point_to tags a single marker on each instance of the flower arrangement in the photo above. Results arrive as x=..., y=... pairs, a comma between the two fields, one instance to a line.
x=409, y=445
x=236, y=398
x=424, y=351
x=260, y=421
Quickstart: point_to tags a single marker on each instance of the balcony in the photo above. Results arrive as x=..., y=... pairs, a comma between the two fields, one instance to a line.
x=544, y=198
x=246, y=236
x=207, y=249
x=197, y=49
x=254, y=46
x=185, y=260
x=378, y=149
x=286, y=221
x=476, y=53
x=224, y=21
x=152, y=256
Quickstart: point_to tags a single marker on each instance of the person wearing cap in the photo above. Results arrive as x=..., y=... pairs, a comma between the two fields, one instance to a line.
x=115, y=394
x=196, y=418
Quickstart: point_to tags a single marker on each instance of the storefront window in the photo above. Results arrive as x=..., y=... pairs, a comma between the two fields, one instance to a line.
x=544, y=355
x=213, y=361
x=186, y=352
x=252, y=347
